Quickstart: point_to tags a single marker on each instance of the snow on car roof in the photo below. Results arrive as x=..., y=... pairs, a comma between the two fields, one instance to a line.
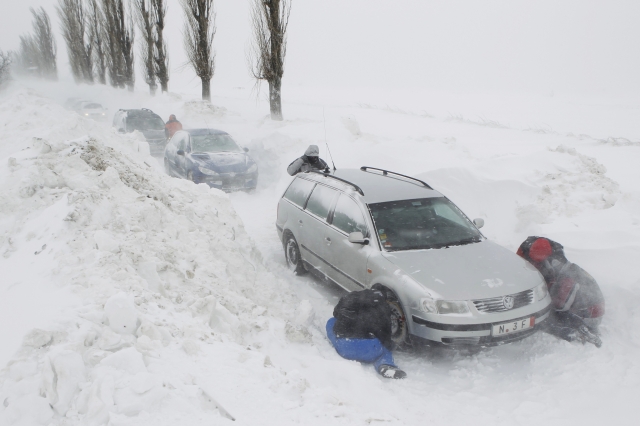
x=378, y=188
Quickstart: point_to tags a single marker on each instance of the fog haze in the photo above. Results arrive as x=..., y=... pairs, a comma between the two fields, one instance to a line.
x=543, y=47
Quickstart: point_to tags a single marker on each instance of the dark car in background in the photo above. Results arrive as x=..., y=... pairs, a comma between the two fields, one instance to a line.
x=145, y=121
x=210, y=156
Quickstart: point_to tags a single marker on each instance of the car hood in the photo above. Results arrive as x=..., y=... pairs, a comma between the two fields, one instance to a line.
x=473, y=271
x=224, y=162
x=153, y=134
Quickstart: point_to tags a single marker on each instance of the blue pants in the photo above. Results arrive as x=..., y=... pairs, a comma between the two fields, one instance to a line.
x=364, y=350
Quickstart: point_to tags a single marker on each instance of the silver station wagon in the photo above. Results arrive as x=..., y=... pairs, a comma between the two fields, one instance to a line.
x=446, y=282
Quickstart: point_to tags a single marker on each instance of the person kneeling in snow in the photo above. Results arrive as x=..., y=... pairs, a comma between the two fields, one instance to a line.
x=360, y=330
x=576, y=296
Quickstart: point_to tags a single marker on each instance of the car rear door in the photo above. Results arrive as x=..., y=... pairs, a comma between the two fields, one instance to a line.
x=348, y=260
x=313, y=244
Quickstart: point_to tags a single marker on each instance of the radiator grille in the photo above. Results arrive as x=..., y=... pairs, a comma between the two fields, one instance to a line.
x=497, y=304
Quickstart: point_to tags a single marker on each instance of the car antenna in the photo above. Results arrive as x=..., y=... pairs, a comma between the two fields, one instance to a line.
x=324, y=122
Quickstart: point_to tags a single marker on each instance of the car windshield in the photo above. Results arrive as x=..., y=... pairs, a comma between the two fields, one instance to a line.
x=93, y=106
x=424, y=223
x=144, y=122
x=214, y=143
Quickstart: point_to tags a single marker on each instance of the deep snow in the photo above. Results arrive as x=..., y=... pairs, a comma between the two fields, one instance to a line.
x=154, y=302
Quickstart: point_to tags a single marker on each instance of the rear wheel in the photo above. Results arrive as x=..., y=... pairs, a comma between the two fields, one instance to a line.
x=399, y=329
x=292, y=254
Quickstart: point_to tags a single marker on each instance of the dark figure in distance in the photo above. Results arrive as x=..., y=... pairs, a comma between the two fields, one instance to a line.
x=172, y=126
x=309, y=161
x=360, y=330
x=576, y=296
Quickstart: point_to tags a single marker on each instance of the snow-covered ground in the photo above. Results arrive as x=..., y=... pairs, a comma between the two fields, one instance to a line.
x=133, y=298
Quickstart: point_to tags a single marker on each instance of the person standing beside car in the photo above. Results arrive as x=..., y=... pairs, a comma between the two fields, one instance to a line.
x=172, y=126
x=576, y=296
x=309, y=161
x=360, y=330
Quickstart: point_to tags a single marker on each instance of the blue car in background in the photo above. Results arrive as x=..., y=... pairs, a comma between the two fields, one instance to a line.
x=210, y=156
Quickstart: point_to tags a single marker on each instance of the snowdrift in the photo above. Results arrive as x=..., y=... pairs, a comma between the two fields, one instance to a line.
x=148, y=269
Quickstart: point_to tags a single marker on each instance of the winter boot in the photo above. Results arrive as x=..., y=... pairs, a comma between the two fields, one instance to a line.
x=391, y=372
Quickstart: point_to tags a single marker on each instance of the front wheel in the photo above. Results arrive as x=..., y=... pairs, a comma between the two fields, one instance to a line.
x=399, y=329
x=292, y=255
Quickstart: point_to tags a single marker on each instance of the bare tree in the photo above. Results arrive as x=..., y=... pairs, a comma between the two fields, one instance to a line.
x=5, y=68
x=45, y=43
x=269, y=19
x=161, y=58
x=199, y=30
x=118, y=33
x=28, y=57
x=79, y=47
x=94, y=21
x=144, y=18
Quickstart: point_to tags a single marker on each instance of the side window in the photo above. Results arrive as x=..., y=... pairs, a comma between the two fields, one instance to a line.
x=320, y=201
x=444, y=210
x=182, y=142
x=299, y=191
x=347, y=217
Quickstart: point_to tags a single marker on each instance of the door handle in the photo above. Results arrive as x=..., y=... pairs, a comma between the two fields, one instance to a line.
x=328, y=240
x=300, y=222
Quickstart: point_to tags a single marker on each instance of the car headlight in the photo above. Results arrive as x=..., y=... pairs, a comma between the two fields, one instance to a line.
x=253, y=168
x=541, y=291
x=452, y=307
x=207, y=172
x=428, y=305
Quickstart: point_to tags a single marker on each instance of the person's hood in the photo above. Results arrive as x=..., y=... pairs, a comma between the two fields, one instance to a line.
x=472, y=271
x=153, y=134
x=224, y=162
x=312, y=151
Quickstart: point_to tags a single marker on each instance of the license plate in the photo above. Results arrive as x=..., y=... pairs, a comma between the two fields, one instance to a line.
x=513, y=326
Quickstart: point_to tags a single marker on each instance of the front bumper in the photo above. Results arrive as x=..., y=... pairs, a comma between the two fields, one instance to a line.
x=473, y=334
x=230, y=182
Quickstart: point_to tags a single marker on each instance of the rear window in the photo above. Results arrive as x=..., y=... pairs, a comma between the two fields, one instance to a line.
x=299, y=191
x=320, y=201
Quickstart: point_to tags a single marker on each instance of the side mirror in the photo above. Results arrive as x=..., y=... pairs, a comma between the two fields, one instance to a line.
x=246, y=149
x=358, y=238
x=478, y=222
x=180, y=152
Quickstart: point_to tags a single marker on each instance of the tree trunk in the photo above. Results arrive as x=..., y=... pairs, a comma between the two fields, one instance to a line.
x=275, y=100
x=152, y=89
x=206, y=90
x=164, y=86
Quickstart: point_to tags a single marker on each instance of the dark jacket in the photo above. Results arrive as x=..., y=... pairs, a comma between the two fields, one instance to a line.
x=571, y=288
x=363, y=315
x=303, y=164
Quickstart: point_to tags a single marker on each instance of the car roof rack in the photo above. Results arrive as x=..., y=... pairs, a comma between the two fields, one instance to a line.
x=356, y=187
x=387, y=172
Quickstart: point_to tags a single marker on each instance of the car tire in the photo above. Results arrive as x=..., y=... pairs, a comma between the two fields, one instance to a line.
x=292, y=254
x=399, y=328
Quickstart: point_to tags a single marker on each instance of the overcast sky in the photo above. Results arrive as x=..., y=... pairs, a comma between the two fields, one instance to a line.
x=542, y=46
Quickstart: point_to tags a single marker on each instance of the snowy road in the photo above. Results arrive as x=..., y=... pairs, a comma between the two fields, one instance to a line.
x=225, y=324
